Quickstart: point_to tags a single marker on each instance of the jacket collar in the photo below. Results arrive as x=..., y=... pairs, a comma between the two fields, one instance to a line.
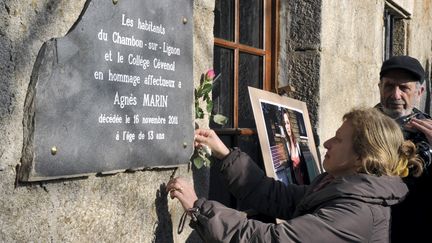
x=383, y=190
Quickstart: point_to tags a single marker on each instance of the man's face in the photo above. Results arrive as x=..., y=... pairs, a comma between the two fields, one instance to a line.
x=399, y=93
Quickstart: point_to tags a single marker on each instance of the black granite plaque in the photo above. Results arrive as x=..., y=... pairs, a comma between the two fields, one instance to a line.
x=115, y=93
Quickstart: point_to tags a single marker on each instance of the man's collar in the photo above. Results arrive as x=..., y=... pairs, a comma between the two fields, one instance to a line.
x=418, y=113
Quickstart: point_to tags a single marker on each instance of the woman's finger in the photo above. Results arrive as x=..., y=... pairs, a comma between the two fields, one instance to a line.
x=182, y=190
x=176, y=193
x=175, y=184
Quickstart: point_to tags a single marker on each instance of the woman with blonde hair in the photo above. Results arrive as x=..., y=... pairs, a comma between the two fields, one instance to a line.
x=375, y=138
x=350, y=202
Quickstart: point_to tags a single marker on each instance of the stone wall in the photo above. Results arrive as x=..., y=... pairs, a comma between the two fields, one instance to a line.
x=125, y=207
x=350, y=60
x=299, y=52
x=420, y=44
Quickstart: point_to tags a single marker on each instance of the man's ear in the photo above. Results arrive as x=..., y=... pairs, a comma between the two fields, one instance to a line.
x=421, y=90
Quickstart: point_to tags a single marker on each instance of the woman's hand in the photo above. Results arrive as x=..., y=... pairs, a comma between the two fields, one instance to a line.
x=209, y=138
x=182, y=190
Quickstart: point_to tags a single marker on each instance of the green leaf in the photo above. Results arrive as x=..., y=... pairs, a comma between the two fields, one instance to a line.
x=206, y=98
x=198, y=162
x=200, y=159
x=199, y=113
x=209, y=106
x=202, y=79
x=204, y=151
x=220, y=119
x=198, y=92
x=207, y=88
x=207, y=162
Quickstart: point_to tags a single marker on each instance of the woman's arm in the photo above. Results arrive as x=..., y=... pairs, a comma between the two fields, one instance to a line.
x=248, y=183
x=343, y=222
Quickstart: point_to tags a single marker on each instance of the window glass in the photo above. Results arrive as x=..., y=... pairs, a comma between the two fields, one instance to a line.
x=250, y=74
x=251, y=23
x=222, y=92
x=224, y=19
x=388, y=34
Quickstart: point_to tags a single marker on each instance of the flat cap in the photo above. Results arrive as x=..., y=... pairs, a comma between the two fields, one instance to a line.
x=406, y=63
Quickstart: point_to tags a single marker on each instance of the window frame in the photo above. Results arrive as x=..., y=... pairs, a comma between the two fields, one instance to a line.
x=392, y=14
x=268, y=52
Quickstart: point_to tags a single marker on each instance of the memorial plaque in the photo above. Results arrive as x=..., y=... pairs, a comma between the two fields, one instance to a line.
x=115, y=93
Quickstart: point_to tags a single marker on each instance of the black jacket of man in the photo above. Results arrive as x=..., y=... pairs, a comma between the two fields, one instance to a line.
x=412, y=219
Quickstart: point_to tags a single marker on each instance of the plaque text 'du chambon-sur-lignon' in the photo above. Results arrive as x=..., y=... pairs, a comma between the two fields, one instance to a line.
x=115, y=93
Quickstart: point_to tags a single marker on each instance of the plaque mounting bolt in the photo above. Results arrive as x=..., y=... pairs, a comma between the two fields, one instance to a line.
x=184, y=145
x=185, y=20
x=115, y=2
x=53, y=150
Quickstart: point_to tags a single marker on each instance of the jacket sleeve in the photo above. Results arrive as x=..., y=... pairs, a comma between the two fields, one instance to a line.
x=248, y=183
x=344, y=222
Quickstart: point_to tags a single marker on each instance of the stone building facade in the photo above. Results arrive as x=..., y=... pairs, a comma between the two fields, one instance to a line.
x=329, y=54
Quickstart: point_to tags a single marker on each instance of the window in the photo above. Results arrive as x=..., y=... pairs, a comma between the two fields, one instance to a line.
x=395, y=22
x=244, y=55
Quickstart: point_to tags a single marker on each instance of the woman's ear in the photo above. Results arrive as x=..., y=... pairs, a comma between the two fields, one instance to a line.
x=359, y=162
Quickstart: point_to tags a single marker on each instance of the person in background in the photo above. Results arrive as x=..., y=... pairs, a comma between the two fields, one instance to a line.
x=401, y=87
x=348, y=203
x=295, y=158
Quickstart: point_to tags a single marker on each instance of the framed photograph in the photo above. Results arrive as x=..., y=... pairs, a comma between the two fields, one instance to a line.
x=286, y=138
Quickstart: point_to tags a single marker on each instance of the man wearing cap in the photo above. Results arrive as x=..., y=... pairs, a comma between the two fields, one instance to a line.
x=401, y=87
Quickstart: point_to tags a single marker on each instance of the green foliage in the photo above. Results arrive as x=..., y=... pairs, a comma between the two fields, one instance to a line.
x=202, y=156
x=220, y=119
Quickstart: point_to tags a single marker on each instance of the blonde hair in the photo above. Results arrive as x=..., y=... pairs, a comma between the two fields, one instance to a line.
x=379, y=142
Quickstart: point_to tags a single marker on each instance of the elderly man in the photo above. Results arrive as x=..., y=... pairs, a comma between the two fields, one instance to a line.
x=401, y=87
